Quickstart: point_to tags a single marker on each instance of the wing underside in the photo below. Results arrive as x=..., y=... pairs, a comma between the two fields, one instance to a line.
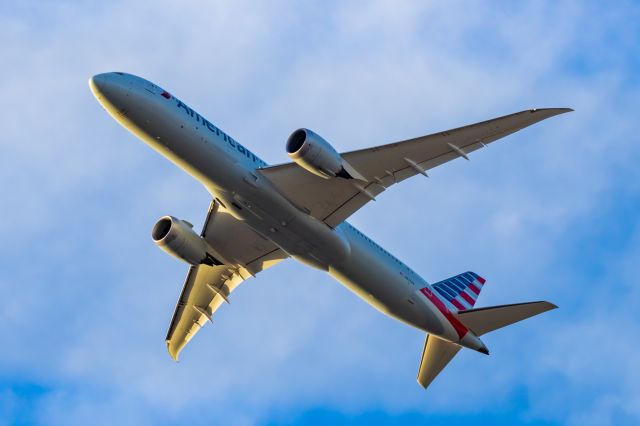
x=244, y=252
x=333, y=200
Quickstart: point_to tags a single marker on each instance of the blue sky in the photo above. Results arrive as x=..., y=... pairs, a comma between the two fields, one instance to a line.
x=549, y=213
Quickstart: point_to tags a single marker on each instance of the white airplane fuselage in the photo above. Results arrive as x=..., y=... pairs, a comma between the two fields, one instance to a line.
x=229, y=172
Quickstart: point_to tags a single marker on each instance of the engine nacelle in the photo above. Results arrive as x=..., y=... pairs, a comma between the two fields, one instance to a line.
x=316, y=155
x=177, y=238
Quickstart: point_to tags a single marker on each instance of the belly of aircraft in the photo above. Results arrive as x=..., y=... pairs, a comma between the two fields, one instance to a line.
x=380, y=284
x=361, y=268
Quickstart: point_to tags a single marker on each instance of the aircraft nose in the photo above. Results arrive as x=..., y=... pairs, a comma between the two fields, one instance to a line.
x=117, y=92
x=110, y=89
x=99, y=82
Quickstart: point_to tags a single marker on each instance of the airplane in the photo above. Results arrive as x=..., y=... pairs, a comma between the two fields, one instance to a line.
x=260, y=215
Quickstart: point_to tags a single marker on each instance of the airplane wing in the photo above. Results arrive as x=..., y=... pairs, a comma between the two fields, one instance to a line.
x=333, y=200
x=435, y=356
x=244, y=253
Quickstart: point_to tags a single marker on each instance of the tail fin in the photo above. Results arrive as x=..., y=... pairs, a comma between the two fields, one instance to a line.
x=461, y=291
x=438, y=352
x=484, y=320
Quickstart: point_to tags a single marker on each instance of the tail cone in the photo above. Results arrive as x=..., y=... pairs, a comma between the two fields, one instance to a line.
x=471, y=341
x=484, y=350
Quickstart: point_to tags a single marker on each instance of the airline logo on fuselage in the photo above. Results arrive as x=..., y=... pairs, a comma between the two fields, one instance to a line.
x=213, y=129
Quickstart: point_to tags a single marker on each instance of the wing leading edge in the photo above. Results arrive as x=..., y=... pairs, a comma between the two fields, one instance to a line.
x=334, y=200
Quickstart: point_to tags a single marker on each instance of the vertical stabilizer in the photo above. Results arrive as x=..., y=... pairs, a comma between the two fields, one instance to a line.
x=460, y=291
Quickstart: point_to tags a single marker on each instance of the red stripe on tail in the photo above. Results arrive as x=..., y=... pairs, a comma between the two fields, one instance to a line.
x=457, y=304
x=466, y=297
x=474, y=289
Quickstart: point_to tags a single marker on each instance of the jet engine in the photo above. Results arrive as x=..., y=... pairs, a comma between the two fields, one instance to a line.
x=178, y=238
x=317, y=156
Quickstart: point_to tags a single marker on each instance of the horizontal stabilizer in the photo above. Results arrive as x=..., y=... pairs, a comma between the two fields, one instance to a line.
x=484, y=320
x=436, y=355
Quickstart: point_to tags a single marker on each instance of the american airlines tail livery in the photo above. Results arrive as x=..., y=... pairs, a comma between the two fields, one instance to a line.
x=260, y=215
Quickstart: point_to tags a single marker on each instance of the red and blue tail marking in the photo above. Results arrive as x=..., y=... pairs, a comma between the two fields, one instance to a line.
x=460, y=291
